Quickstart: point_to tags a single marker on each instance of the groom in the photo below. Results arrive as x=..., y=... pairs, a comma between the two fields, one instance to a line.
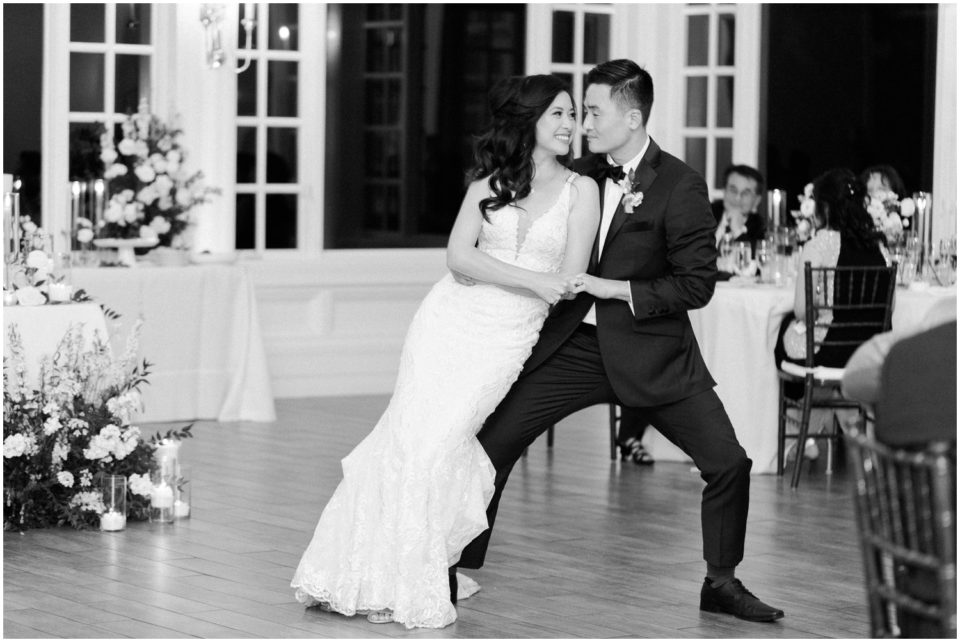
x=628, y=339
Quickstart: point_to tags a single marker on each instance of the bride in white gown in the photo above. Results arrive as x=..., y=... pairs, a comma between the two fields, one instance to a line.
x=415, y=490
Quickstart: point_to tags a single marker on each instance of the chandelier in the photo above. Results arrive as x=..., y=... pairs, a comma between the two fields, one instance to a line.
x=211, y=18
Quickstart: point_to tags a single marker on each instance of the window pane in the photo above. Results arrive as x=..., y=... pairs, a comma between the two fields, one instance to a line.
x=132, y=80
x=562, y=36
x=87, y=22
x=399, y=140
x=281, y=221
x=254, y=33
x=724, y=156
x=283, y=27
x=725, y=101
x=133, y=23
x=86, y=82
x=281, y=155
x=596, y=38
x=246, y=154
x=281, y=88
x=383, y=101
x=245, y=237
x=725, y=39
x=85, y=163
x=696, y=101
x=695, y=154
x=384, y=49
x=247, y=91
x=698, y=36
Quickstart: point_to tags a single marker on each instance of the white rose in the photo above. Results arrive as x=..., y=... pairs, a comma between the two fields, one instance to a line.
x=51, y=426
x=29, y=227
x=84, y=222
x=142, y=148
x=165, y=203
x=159, y=163
x=140, y=484
x=145, y=173
x=127, y=147
x=108, y=155
x=164, y=144
x=39, y=260
x=114, y=212
x=14, y=446
x=174, y=156
x=126, y=195
x=808, y=190
x=147, y=195
x=85, y=235
x=65, y=478
x=131, y=212
x=892, y=225
x=147, y=232
x=807, y=208
x=184, y=198
x=907, y=207
x=160, y=224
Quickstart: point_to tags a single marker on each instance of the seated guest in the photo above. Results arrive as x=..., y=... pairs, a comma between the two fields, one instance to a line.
x=737, y=213
x=861, y=376
x=882, y=178
x=633, y=423
x=845, y=236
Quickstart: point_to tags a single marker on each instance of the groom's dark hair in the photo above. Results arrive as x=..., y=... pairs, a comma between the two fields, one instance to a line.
x=630, y=84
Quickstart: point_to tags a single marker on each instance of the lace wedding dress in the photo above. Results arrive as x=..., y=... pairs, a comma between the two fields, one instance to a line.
x=415, y=491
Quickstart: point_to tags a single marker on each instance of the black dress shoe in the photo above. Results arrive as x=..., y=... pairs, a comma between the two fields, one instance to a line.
x=734, y=598
x=452, y=573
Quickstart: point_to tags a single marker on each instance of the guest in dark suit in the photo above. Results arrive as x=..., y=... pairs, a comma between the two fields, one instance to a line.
x=627, y=338
x=736, y=214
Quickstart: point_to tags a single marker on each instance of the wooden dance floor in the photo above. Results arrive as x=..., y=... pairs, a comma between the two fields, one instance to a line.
x=584, y=547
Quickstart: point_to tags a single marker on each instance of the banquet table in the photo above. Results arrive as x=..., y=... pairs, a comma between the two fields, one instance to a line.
x=201, y=335
x=737, y=332
x=42, y=327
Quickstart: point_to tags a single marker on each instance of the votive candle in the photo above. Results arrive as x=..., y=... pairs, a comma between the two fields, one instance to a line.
x=113, y=521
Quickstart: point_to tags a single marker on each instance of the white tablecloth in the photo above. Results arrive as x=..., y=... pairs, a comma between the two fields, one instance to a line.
x=202, y=334
x=737, y=332
x=41, y=327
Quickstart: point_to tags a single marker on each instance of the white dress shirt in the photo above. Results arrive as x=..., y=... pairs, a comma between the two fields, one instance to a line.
x=612, y=195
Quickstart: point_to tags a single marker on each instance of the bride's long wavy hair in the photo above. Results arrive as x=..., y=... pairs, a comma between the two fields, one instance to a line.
x=503, y=153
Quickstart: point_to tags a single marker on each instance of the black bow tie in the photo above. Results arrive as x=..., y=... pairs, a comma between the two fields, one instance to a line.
x=606, y=170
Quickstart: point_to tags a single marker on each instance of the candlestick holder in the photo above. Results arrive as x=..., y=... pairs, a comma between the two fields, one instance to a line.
x=114, y=517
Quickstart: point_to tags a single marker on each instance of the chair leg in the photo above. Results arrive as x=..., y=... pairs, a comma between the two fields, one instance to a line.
x=614, y=418
x=804, y=429
x=550, y=437
x=781, y=431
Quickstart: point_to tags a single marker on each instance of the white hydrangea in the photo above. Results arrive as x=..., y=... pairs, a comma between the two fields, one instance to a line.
x=59, y=453
x=126, y=146
x=51, y=426
x=159, y=224
x=89, y=500
x=86, y=477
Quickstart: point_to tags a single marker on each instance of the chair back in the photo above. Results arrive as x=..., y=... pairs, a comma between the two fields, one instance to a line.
x=906, y=519
x=852, y=303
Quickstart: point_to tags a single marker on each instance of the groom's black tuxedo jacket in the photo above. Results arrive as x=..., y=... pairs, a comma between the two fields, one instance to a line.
x=665, y=249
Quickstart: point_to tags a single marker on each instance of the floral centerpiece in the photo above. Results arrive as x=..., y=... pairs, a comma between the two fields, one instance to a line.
x=61, y=437
x=805, y=217
x=151, y=194
x=891, y=214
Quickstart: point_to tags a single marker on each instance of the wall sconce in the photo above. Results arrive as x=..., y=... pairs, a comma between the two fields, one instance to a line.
x=212, y=17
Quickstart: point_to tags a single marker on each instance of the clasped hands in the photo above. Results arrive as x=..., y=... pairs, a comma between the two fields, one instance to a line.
x=554, y=287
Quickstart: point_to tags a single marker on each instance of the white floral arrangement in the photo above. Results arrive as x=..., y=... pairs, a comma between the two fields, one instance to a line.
x=891, y=214
x=632, y=198
x=61, y=436
x=151, y=194
x=805, y=216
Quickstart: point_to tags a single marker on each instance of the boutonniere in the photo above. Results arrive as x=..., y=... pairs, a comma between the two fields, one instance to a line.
x=631, y=197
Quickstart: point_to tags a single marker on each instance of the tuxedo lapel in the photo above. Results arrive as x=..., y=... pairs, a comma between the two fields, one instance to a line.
x=642, y=180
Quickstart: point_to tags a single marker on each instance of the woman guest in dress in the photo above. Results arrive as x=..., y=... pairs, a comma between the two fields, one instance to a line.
x=882, y=178
x=416, y=489
x=845, y=236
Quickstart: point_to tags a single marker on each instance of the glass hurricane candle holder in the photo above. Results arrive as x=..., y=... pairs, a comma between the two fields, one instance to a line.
x=114, y=517
x=181, y=494
x=162, y=496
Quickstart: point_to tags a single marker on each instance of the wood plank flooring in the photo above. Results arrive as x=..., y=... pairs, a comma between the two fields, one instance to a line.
x=584, y=548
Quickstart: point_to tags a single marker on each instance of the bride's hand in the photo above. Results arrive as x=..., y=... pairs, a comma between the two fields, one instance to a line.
x=550, y=287
x=583, y=282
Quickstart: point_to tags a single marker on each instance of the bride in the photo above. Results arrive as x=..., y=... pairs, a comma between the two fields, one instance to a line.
x=415, y=490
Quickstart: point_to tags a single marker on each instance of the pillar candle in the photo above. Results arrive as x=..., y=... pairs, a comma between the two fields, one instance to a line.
x=113, y=521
